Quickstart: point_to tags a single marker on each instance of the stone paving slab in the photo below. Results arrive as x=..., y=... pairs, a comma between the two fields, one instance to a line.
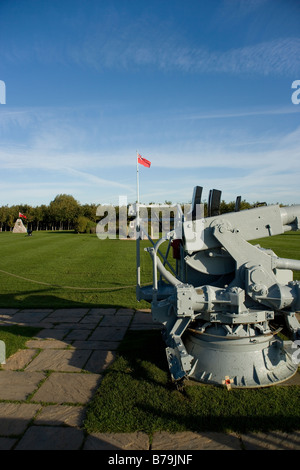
x=59, y=360
x=117, y=441
x=53, y=333
x=274, y=440
x=36, y=310
x=16, y=385
x=195, y=441
x=99, y=361
x=77, y=345
x=46, y=344
x=29, y=316
x=107, y=333
x=15, y=417
x=68, y=315
x=80, y=326
x=8, y=311
x=63, y=387
x=96, y=345
x=102, y=311
x=92, y=318
x=125, y=311
x=77, y=334
x=120, y=320
x=19, y=359
x=61, y=415
x=7, y=443
x=142, y=318
x=52, y=438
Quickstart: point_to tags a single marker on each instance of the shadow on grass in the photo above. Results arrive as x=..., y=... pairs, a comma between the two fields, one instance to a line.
x=136, y=394
x=46, y=298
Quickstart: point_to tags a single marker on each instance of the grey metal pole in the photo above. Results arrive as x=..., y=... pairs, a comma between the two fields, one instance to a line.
x=137, y=229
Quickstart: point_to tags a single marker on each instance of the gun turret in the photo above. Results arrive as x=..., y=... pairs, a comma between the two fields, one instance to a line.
x=218, y=309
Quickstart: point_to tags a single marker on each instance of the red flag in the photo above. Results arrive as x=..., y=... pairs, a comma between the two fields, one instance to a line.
x=22, y=215
x=143, y=161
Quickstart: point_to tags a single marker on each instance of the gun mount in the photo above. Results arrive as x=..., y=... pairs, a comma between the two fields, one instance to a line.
x=220, y=306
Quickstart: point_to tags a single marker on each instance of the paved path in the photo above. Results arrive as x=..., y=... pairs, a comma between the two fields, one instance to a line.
x=63, y=364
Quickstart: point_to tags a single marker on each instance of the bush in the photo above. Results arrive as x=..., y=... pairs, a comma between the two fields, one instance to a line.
x=81, y=224
x=84, y=225
x=90, y=227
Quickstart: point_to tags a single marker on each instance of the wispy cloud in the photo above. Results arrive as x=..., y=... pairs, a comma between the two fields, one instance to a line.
x=87, y=177
x=270, y=173
x=277, y=57
x=274, y=111
x=116, y=43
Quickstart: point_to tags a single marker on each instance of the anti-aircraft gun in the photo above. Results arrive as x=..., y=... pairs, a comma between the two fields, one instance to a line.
x=221, y=307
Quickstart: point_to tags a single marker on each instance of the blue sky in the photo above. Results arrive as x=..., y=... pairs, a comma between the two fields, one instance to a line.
x=200, y=88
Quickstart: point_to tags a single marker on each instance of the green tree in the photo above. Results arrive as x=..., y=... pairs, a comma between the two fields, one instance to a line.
x=89, y=211
x=4, y=211
x=37, y=216
x=64, y=210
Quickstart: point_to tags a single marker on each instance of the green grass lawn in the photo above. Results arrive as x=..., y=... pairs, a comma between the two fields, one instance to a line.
x=61, y=269
x=286, y=245
x=64, y=269
x=136, y=394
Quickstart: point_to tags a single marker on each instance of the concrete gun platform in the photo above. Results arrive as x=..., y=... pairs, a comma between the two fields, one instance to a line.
x=64, y=364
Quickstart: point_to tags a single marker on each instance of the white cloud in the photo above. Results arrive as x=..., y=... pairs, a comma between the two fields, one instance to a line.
x=257, y=164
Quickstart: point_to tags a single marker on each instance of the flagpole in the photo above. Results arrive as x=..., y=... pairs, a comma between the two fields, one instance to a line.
x=137, y=233
x=137, y=178
x=138, y=230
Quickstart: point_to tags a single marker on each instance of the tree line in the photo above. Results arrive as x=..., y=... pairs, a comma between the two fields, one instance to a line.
x=65, y=213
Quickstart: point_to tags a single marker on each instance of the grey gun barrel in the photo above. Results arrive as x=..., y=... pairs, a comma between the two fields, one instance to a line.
x=290, y=215
x=285, y=263
x=251, y=224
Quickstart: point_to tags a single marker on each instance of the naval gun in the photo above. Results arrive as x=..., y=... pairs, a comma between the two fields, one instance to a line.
x=221, y=306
